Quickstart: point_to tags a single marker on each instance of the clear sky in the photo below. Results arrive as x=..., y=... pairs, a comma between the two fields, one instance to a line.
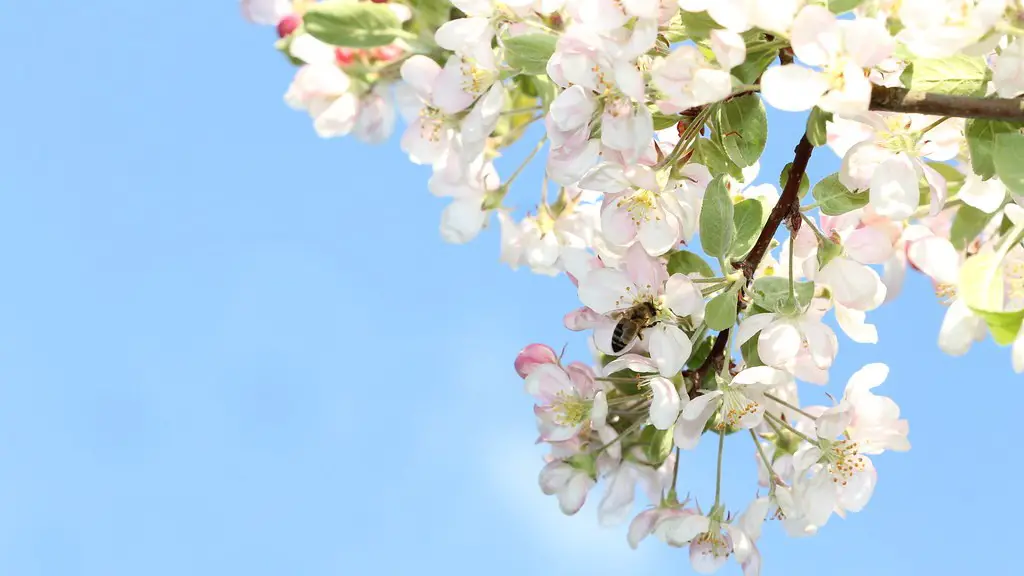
x=229, y=347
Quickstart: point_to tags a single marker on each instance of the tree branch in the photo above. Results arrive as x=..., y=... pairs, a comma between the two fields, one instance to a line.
x=713, y=361
x=788, y=203
x=914, y=102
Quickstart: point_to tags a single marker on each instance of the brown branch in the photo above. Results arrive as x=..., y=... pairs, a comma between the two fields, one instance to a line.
x=788, y=202
x=714, y=361
x=914, y=102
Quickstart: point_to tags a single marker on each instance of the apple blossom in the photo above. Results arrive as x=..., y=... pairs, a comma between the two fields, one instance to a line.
x=666, y=219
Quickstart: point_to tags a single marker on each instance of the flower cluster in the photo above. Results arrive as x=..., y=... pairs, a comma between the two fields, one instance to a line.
x=652, y=122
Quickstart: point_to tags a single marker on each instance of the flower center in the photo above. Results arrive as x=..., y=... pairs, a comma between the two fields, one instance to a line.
x=842, y=460
x=431, y=123
x=570, y=409
x=713, y=540
x=475, y=79
x=946, y=293
x=735, y=407
x=641, y=205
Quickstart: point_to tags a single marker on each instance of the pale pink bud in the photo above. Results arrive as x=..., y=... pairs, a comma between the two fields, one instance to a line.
x=344, y=56
x=532, y=356
x=288, y=24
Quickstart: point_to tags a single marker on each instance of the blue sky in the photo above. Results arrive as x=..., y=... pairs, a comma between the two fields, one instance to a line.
x=229, y=347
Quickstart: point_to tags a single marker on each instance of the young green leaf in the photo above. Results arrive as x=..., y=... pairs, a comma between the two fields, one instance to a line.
x=981, y=142
x=816, y=126
x=772, y=293
x=805, y=184
x=834, y=199
x=967, y=224
x=530, y=52
x=1008, y=157
x=716, y=219
x=957, y=75
x=657, y=444
x=709, y=153
x=721, y=310
x=749, y=217
x=743, y=129
x=683, y=262
x=352, y=24
x=1004, y=326
x=840, y=6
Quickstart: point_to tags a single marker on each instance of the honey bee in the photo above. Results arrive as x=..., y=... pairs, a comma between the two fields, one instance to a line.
x=631, y=321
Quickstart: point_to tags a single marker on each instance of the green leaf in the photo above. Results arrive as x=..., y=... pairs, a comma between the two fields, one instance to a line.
x=758, y=59
x=657, y=444
x=1009, y=160
x=957, y=75
x=716, y=224
x=662, y=121
x=698, y=25
x=748, y=218
x=749, y=351
x=711, y=155
x=530, y=52
x=430, y=14
x=353, y=24
x=1004, y=326
x=721, y=310
x=805, y=184
x=816, y=126
x=834, y=199
x=772, y=293
x=683, y=262
x=699, y=354
x=967, y=224
x=743, y=129
x=840, y=6
x=981, y=141
x=981, y=282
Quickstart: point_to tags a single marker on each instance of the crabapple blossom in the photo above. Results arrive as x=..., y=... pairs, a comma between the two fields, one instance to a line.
x=708, y=293
x=843, y=48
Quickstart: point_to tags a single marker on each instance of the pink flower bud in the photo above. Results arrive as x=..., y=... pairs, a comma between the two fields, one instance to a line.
x=344, y=56
x=386, y=53
x=379, y=1
x=533, y=356
x=288, y=24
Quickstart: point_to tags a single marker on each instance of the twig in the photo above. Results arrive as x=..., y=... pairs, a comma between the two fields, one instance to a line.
x=914, y=102
x=788, y=202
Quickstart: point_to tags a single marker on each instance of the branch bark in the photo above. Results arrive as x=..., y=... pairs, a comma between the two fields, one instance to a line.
x=914, y=102
x=787, y=204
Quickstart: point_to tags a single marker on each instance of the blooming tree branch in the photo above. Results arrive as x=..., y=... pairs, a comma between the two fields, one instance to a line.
x=896, y=99
x=701, y=320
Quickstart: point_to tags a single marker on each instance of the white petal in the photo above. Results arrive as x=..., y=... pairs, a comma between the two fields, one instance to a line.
x=670, y=349
x=659, y=235
x=959, y=329
x=868, y=245
x=421, y=72
x=604, y=290
x=618, y=497
x=752, y=325
x=867, y=41
x=852, y=323
x=985, y=195
x=1017, y=353
x=779, y=344
x=894, y=190
x=729, y=49
x=792, y=88
x=682, y=296
x=936, y=257
x=688, y=528
x=860, y=163
x=815, y=35
x=761, y=375
x=868, y=377
x=572, y=497
x=665, y=403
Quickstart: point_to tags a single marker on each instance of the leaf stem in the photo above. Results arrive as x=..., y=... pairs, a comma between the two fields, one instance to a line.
x=718, y=476
x=773, y=478
x=787, y=426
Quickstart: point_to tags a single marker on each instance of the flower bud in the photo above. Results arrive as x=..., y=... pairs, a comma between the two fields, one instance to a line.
x=287, y=25
x=533, y=356
x=379, y=1
x=344, y=56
